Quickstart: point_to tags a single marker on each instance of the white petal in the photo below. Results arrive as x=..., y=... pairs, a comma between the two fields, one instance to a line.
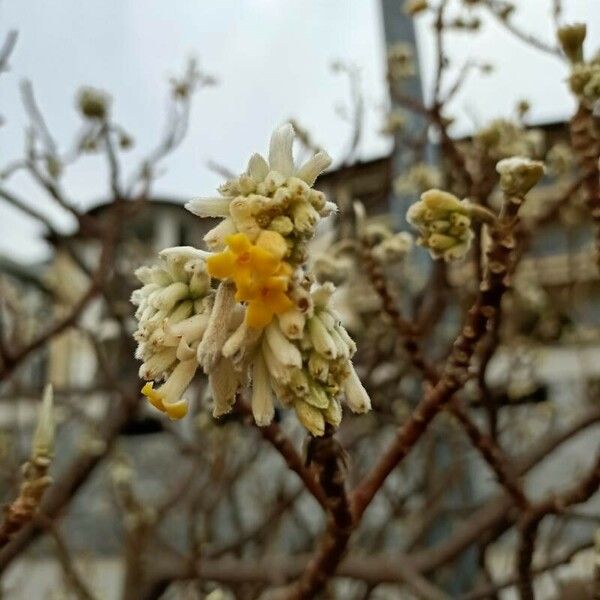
x=184, y=351
x=179, y=380
x=262, y=396
x=217, y=331
x=157, y=364
x=280, y=150
x=330, y=208
x=279, y=372
x=183, y=253
x=292, y=323
x=209, y=207
x=224, y=383
x=241, y=343
x=172, y=294
x=313, y=167
x=284, y=350
x=356, y=396
x=321, y=339
x=215, y=238
x=258, y=168
x=190, y=329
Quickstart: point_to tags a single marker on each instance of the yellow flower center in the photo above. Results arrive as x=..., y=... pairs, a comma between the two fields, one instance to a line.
x=260, y=274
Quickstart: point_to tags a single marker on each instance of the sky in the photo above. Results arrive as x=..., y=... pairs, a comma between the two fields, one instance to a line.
x=272, y=59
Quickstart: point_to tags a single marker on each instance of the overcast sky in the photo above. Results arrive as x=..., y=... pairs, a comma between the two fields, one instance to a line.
x=272, y=59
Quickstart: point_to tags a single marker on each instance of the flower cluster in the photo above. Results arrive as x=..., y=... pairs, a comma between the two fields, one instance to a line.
x=93, y=104
x=444, y=223
x=248, y=314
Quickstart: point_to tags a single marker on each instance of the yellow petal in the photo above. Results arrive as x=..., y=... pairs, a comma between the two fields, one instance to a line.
x=272, y=242
x=154, y=397
x=238, y=242
x=262, y=262
x=177, y=410
x=246, y=287
x=279, y=303
x=221, y=265
x=284, y=270
x=276, y=284
x=258, y=314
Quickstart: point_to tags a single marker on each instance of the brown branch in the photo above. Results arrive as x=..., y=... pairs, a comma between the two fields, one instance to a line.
x=487, y=447
x=273, y=434
x=485, y=591
x=492, y=454
x=554, y=504
x=7, y=49
x=480, y=315
x=13, y=359
x=329, y=461
x=74, y=581
x=586, y=144
x=496, y=9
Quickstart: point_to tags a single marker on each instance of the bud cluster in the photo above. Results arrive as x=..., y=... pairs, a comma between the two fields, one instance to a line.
x=444, y=223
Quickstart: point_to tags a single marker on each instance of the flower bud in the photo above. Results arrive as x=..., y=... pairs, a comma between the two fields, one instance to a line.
x=43, y=438
x=356, y=396
x=312, y=418
x=93, y=104
x=571, y=38
x=518, y=174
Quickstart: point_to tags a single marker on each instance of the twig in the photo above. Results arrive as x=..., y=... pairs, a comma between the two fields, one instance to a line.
x=273, y=434
x=7, y=49
x=330, y=462
x=554, y=504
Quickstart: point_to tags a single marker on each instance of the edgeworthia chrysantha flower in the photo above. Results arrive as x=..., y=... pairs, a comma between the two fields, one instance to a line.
x=248, y=313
